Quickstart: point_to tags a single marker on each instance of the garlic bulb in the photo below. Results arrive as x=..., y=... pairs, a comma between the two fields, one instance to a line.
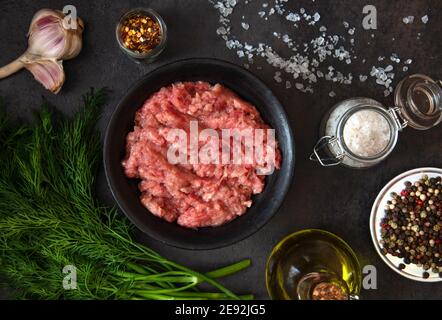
x=50, y=42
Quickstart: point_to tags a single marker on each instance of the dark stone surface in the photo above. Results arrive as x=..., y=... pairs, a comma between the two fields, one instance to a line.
x=335, y=199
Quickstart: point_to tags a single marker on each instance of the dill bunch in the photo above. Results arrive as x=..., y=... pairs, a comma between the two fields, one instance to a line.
x=50, y=218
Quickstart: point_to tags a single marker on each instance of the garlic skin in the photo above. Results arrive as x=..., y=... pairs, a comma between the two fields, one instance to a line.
x=49, y=43
x=48, y=72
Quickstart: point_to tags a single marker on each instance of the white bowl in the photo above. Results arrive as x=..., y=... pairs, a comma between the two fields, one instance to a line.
x=411, y=271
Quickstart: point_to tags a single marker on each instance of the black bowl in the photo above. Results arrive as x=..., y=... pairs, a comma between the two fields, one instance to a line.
x=125, y=190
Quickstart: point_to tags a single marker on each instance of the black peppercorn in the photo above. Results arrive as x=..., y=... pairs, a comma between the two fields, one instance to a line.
x=412, y=226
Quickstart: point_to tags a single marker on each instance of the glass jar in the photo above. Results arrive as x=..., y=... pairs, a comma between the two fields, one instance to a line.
x=361, y=132
x=155, y=52
x=310, y=263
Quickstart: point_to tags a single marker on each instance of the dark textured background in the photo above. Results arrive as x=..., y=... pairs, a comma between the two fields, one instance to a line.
x=335, y=199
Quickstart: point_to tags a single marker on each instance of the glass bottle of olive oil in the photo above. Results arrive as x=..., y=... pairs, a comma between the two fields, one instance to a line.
x=313, y=265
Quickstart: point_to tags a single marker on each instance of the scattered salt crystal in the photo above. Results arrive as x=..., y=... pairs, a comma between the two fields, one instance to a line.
x=307, y=60
x=316, y=17
x=408, y=20
x=405, y=69
x=288, y=84
x=332, y=94
x=395, y=58
x=409, y=61
x=294, y=17
x=389, y=68
x=277, y=77
x=299, y=86
x=425, y=19
x=230, y=44
x=308, y=89
x=221, y=31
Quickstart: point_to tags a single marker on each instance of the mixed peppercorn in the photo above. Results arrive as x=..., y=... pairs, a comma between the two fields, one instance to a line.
x=412, y=226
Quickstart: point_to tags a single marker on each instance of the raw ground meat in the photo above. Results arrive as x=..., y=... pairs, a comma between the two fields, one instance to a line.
x=193, y=195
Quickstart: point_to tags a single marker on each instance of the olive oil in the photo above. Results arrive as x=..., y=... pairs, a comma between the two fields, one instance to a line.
x=313, y=264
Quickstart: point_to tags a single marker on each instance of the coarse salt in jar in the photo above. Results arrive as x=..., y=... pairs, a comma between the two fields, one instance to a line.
x=361, y=132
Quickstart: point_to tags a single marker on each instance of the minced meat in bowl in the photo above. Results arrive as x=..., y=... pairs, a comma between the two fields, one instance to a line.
x=243, y=84
x=192, y=192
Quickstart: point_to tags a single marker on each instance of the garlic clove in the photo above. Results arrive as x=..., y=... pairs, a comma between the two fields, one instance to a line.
x=47, y=37
x=49, y=73
x=74, y=41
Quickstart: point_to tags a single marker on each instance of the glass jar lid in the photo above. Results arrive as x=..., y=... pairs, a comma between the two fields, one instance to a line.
x=418, y=99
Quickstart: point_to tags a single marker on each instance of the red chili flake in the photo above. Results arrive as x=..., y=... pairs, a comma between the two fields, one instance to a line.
x=420, y=202
x=404, y=193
